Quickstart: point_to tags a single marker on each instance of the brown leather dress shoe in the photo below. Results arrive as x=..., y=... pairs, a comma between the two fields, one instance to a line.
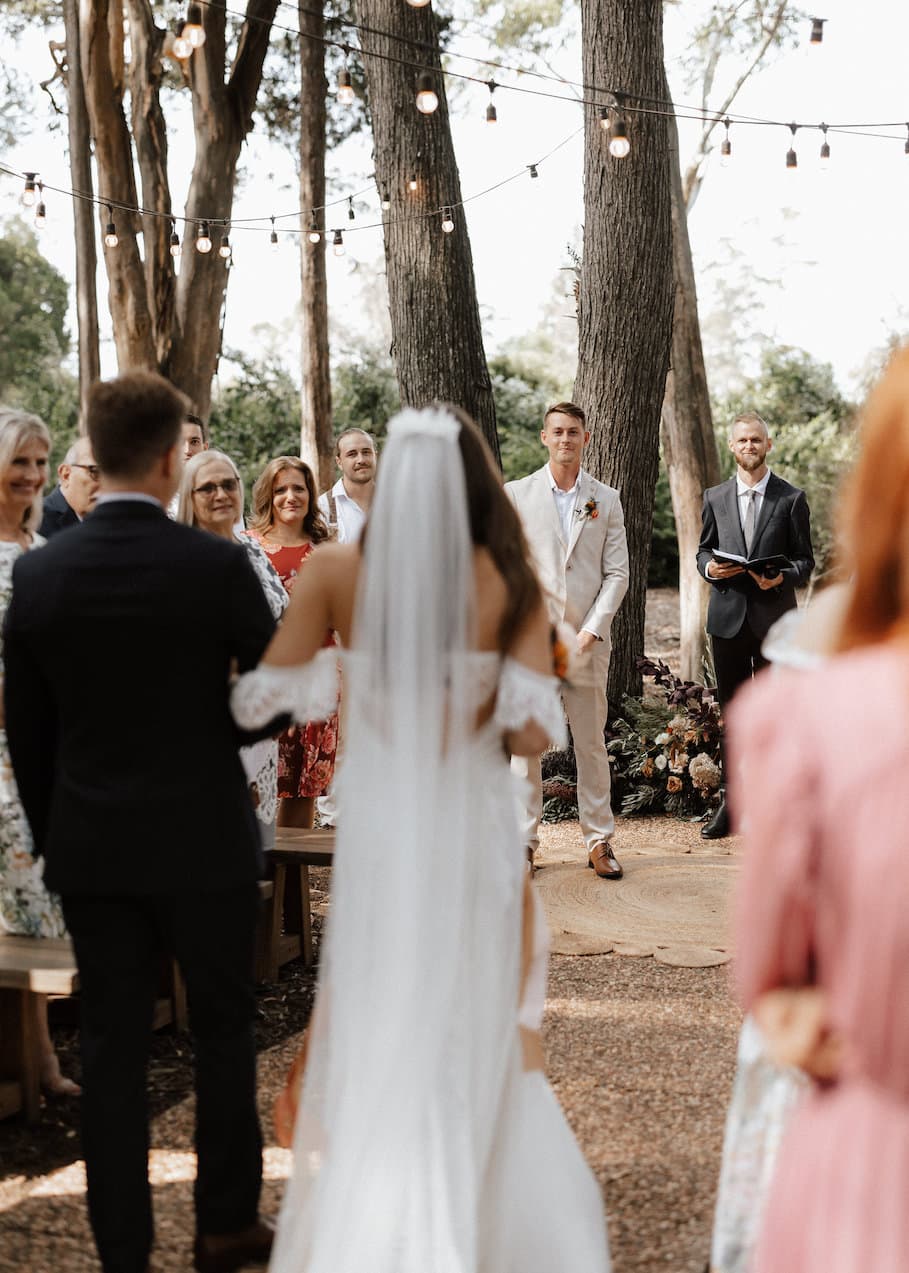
x=224, y=1252
x=602, y=860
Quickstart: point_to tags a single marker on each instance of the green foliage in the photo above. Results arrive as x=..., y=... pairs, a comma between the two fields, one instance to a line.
x=663, y=570
x=256, y=416
x=33, y=337
x=364, y=391
x=812, y=426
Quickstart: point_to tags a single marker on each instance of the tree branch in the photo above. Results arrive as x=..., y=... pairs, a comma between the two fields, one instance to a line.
x=246, y=72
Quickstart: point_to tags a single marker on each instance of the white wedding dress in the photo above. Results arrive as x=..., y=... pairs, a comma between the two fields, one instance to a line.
x=422, y=1145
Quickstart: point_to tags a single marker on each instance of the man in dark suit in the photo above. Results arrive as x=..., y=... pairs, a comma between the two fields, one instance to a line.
x=120, y=640
x=753, y=514
x=75, y=497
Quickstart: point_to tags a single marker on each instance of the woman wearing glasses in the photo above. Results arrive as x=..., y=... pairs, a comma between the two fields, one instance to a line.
x=286, y=521
x=211, y=497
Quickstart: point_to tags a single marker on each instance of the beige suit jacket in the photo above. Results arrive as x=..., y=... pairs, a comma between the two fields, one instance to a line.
x=585, y=579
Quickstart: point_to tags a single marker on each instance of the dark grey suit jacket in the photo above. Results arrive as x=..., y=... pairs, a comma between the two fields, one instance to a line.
x=57, y=515
x=783, y=527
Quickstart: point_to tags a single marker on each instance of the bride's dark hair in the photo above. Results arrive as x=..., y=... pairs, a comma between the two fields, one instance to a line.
x=495, y=526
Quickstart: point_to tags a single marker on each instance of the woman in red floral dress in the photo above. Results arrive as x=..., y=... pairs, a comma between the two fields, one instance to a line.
x=287, y=523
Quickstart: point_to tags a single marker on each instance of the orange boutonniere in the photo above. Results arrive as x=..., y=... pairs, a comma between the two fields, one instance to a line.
x=590, y=512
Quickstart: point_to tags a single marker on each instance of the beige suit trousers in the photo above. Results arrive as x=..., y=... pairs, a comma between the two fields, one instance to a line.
x=585, y=707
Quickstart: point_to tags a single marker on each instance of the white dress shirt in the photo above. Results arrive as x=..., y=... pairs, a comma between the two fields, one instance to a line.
x=743, y=491
x=565, y=502
x=351, y=518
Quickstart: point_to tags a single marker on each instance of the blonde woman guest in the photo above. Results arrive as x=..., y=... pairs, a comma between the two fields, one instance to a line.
x=26, y=907
x=287, y=523
x=211, y=497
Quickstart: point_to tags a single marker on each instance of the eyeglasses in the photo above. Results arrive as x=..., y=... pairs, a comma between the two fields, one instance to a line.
x=91, y=469
x=229, y=486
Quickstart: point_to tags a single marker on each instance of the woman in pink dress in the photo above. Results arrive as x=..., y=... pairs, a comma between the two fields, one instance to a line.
x=287, y=523
x=819, y=788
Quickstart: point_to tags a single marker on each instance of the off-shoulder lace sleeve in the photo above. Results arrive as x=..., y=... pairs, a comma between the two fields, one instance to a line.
x=307, y=691
x=526, y=696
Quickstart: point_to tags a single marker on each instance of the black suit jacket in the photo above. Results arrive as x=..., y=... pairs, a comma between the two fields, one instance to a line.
x=57, y=515
x=783, y=527
x=119, y=641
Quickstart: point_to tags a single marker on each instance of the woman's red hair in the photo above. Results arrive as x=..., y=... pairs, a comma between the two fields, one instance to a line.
x=874, y=521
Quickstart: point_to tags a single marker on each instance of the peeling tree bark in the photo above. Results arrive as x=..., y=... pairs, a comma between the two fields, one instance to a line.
x=435, y=319
x=689, y=445
x=625, y=301
x=316, y=446
x=80, y=166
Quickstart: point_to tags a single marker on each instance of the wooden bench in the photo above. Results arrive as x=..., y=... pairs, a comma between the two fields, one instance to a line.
x=288, y=862
x=28, y=967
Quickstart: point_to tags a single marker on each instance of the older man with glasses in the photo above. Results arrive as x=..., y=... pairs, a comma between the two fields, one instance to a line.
x=75, y=496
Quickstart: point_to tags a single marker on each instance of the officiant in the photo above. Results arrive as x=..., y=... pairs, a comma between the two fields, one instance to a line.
x=754, y=515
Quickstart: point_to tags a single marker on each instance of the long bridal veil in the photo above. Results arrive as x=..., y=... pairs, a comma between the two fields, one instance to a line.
x=414, y=1027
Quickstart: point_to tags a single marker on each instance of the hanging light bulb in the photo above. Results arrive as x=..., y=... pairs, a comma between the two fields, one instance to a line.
x=181, y=46
x=337, y=243
x=491, y=115
x=40, y=211
x=825, y=150
x=726, y=147
x=203, y=238
x=532, y=169
x=412, y=184
x=224, y=249
x=273, y=237
x=315, y=235
x=351, y=215
x=193, y=31
x=792, y=159
x=619, y=145
x=418, y=4
x=110, y=233
x=604, y=118
x=28, y=194
x=447, y=220
x=386, y=199
x=427, y=97
x=345, y=92
x=817, y=30
x=175, y=248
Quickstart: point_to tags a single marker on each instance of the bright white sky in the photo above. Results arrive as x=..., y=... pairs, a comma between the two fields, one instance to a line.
x=834, y=242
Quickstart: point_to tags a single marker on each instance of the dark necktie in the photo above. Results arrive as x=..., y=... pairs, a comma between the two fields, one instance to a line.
x=748, y=527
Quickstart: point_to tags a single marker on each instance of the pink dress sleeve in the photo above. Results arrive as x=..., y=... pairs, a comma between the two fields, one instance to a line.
x=773, y=793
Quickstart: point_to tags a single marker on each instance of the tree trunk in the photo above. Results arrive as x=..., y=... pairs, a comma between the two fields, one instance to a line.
x=625, y=300
x=689, y=445
x=127, y=297
x=80, y=166
x=174, y=327
x=435, y=319
x=315, y=398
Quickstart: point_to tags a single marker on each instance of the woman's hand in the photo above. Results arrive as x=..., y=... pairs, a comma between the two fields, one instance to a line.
x=794, y=1023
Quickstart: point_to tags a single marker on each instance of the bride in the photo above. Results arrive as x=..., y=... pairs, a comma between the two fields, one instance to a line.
x=427, y=1139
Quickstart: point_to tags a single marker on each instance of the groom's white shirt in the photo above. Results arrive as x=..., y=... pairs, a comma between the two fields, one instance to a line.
x=581, y=559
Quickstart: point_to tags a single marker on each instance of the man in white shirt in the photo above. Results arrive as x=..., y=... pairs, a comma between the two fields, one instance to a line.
x=576, y=533
x=345, y=506
x=754, y=515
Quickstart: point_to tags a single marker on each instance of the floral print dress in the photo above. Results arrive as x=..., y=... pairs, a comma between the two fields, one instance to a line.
x=26, y=907
x=306, y=754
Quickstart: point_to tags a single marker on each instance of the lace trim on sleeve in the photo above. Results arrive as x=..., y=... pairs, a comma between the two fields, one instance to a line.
x=526, y=696
x=309, y=692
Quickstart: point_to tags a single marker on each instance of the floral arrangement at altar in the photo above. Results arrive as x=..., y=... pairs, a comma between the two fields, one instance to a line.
x=665, y=749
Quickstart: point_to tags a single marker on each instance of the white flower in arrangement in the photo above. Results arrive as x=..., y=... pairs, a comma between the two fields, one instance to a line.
x=662, y=739
x=705, y=773
x=677, y=725
x=660, y=761
x=677, y=766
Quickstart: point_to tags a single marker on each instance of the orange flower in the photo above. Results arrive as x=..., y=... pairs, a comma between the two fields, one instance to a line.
x=673, y=783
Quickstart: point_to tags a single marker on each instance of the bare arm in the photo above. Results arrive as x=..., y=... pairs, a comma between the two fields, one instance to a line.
x=532, y=649
x=317, y=605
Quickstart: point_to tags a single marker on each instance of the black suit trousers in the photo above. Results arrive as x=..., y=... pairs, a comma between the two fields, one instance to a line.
x=119, y=943
x=735, y=660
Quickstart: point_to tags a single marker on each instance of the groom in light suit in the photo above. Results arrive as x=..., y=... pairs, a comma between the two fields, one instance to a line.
x=576, y=533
